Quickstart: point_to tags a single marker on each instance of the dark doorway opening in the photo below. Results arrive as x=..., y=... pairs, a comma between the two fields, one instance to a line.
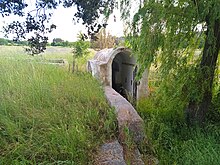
x=123, y=76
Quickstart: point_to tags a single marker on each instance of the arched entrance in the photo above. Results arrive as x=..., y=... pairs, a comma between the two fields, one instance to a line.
x=117, y=68
x=123, y=75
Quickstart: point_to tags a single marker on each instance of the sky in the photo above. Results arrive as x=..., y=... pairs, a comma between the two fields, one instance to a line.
x=66, y=28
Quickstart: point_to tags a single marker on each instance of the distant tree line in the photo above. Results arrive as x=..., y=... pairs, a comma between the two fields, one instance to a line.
x=61, y=42
x=55, y=42
x=102, y=40
x=8, y=42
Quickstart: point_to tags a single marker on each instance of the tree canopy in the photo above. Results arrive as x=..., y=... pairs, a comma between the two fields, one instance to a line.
x=37, y=20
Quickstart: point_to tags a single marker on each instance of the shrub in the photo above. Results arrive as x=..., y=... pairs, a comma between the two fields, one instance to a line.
x=80, y=48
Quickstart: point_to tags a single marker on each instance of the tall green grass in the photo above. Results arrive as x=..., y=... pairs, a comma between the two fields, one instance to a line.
x=50, y=116
x=169, y=137
x=173, y=142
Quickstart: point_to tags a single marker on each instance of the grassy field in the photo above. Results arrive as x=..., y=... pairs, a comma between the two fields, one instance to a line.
x=18, y=53
x=48, y=115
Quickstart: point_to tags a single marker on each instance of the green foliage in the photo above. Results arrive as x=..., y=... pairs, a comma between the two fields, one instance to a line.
x=80, y=48
x=8, y=42
x=36, y=44
x=168, y=34
x=171, y=139
x=173, y=142
x=82, y=61
x=37, y=21
x=57, y=42
x=3, y=41
x=60, y=42
x=167, y=27
x=216, y=106
x=50, y=116
x=214, y=114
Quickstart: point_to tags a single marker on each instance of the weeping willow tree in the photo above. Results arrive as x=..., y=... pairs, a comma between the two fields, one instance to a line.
x=168, y=33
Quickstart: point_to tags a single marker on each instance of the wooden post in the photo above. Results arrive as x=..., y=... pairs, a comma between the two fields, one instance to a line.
x=73, y=68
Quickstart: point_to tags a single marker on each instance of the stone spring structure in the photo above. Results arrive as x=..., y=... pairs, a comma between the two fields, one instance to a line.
x=116, y=69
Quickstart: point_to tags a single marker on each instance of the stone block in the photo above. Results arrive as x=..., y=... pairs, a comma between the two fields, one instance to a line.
x=126, y=115
x=110, y=154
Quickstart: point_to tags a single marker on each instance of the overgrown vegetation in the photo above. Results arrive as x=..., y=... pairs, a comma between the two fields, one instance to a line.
x=80, y=48
x=80, y=52
x=48, y=115
x=171, y=140
x=168, y=34
x=181, y=39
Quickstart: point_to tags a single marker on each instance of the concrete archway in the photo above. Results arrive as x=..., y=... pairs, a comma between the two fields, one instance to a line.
x=116, y=68
x=123, y=67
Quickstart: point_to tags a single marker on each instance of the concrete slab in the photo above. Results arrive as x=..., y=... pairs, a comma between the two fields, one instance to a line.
x=126, y=115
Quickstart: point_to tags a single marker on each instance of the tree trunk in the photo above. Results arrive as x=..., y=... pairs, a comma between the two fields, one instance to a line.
x=197, y=111
x=208, y=66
